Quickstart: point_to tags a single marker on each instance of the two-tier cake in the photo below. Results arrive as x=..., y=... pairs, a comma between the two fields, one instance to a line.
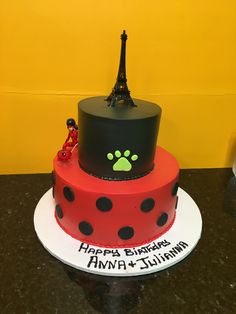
x=118, y=189
x=115, y=208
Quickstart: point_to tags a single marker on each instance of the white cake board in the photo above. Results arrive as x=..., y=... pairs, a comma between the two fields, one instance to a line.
x=154, y=256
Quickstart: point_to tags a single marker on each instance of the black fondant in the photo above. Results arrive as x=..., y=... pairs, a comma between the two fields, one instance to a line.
x=147, y=205
x=126, y=233
x=176, y=203
x=104, y=204
x=161, y=221
x=85, y=228
x=68, y=193
x=53, y=178
x=175, y=188
x=59, y=211
x=106, y=129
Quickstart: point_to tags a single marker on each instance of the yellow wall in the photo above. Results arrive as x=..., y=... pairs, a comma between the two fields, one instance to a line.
x=180, y=54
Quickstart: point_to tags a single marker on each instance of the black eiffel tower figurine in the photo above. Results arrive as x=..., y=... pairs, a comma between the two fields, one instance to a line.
x=120, y=92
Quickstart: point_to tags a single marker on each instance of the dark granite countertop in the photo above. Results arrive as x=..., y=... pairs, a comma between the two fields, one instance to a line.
x=32, y=281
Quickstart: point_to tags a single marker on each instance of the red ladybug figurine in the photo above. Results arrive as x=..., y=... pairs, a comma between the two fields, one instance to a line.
x=71, y=141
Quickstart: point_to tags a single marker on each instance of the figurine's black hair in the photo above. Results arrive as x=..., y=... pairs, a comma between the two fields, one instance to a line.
x=71, y=122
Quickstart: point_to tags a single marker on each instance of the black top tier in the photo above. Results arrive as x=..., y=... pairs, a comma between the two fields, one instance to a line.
x=117, y=135
x=117, y=143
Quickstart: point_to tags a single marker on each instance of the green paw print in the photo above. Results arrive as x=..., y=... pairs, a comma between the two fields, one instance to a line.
x=122, y=164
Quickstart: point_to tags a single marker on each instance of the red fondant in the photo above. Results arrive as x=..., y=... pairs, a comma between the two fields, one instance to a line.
x=126, y=198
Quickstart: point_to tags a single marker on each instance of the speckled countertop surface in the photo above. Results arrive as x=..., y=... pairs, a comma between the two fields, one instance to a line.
x=32, y=281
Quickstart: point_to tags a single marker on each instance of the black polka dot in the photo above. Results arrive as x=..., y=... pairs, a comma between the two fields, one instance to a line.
x=161, y=221
x=175, y=188
x=126, y=233
x=176, y=203
x=104, y=204
x=147, y=205
x=69, y=194
x=59, y=211
x=53, y=178
x=85, y=228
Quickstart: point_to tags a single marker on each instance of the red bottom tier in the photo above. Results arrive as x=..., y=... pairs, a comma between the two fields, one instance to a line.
x=116, y=213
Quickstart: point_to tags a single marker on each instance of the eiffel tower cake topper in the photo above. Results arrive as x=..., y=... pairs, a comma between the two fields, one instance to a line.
x=120, y=92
